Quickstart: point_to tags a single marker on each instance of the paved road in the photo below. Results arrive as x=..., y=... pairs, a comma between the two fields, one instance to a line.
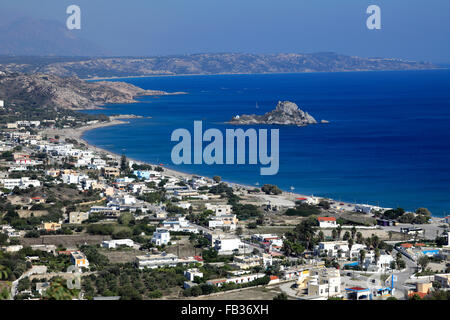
x=33, y=270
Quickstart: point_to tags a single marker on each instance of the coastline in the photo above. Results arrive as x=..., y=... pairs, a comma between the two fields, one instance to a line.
x=245, y=73
x=78, y=133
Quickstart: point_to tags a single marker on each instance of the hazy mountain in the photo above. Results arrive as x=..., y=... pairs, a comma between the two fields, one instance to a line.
x=208, y=63
x=23, y=35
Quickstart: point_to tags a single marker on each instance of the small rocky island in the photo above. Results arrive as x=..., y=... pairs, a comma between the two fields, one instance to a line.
x=286, y=113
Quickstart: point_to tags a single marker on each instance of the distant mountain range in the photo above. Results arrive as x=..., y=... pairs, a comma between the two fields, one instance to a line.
x=206, y=63
x=27, y=36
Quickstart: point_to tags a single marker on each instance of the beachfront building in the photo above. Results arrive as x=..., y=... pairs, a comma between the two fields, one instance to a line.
x=327, y=222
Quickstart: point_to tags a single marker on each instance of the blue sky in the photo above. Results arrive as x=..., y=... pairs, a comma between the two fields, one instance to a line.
x=411, y=29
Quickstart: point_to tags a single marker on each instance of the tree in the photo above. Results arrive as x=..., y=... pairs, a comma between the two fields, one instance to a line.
x=353, y=232
x=126, y=218
x=281, y=296
x=339, y=230
x=123, y=163
x=359, y=238
x=377, y=255
x=346, y=236
x=321, y=236
x=271, y=189
x=350, y=245
x=423, y=262
x=217, y=179
x=423, y=211
x=362, y=256
x=334, y=234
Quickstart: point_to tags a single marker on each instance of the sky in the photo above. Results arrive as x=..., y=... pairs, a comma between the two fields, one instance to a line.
x=410, y=29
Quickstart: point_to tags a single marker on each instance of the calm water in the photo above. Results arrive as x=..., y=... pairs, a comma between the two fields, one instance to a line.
x=387, y=143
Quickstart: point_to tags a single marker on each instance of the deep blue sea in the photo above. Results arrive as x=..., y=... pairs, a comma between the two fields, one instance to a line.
x=387, y=143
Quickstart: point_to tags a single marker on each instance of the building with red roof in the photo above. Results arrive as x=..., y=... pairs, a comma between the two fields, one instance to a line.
x=327, y=222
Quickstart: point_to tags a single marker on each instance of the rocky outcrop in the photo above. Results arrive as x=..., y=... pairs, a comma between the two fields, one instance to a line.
x=286, y=113
x=68, y=93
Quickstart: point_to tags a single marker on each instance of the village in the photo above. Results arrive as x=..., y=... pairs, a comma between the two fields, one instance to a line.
x=77, y=222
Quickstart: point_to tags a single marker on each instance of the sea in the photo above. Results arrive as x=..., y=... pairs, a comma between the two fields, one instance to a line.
x=387, y=142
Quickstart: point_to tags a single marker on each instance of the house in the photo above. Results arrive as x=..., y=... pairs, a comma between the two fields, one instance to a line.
x=327, y=222
x=22, y=183
x=112, y=244
x=190, y=274
x=77, y=217
x=443, y=279
x=176, y=224
x=219, y=209
x=228, y=245
x=313, y=201
x=420, y=288
x=363, y=208
x=78, y=259
x=382, y=264
x=225, y=222
x=324, y=282
x=153, y=261
x=51, y=226
x=334, y=248
x=161, y=236
x=110, y=172
x=237, y=280
x=272, y=239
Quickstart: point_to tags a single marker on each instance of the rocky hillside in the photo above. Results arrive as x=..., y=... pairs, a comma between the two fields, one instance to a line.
x=286, y=113
x=223, y=63
x=67, y=93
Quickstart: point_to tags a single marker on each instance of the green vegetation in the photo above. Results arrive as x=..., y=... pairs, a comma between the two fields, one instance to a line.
x=130, y=283
x=271, y=189
x=303, y=210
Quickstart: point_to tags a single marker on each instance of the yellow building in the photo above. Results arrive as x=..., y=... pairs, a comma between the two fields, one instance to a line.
x=78, y=259
x=111, y=172
x=51, y=226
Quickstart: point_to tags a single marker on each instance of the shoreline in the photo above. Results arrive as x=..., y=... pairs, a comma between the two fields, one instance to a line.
x=77, y=134
x=244, y=73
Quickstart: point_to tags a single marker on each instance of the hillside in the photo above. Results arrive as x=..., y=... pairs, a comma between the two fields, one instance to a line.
x=66, y=93
x=221, y=63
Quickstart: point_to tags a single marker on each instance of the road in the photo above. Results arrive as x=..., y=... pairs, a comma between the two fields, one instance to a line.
x=33, y=270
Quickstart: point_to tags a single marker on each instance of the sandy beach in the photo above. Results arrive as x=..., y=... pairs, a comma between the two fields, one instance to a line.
x=77, y=134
